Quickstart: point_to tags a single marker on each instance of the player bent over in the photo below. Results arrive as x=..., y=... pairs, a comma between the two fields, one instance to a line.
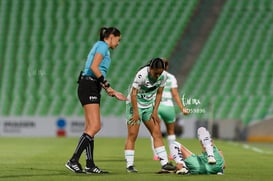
x=142, y=107
x=210, y=161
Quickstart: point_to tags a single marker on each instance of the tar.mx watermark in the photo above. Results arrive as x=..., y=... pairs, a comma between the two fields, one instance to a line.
x=193, y=105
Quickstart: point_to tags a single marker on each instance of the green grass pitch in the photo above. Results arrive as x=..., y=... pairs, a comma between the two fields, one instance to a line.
x=44, y=158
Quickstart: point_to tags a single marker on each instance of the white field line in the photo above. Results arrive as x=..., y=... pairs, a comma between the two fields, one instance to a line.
x=253, y=148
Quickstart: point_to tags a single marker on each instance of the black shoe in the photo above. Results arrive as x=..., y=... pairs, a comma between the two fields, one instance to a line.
x=131, y=169
x=95, y=170
x=74, y=166
x=168, y=168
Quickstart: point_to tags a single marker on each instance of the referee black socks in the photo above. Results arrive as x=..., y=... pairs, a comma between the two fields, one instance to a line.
x=86, y=142
x=89, y=152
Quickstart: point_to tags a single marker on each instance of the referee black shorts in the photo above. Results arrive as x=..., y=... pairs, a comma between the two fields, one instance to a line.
x=89, y=91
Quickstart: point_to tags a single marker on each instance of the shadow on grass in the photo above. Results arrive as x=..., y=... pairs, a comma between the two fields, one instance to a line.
x=32, y=172
x=39, y=172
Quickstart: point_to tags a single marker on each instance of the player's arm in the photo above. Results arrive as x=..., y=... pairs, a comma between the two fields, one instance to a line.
x=157, y=102
x=178, y=101
x=135, y=116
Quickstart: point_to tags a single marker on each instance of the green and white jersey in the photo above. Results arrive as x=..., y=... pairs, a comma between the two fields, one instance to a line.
x=147, y=87
x=167, y=94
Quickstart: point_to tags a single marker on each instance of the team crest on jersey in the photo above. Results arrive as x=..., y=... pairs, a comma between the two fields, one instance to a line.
x=148, y=87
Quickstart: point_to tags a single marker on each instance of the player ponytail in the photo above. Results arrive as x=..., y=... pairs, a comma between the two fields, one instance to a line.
x=166, y=62
x=157, y=63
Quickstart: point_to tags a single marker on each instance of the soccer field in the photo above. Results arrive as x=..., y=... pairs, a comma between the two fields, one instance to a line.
x=44, y=159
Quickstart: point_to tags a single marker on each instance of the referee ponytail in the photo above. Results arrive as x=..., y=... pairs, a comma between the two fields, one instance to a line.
x=106, y=32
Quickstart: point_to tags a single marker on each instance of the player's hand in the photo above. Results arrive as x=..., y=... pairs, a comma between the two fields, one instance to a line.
x=134, y=119
x=155, y=118
x=185, y=111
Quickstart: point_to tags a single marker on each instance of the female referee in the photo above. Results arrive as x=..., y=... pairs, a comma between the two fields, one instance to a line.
x=90, y=82
x=142, y=106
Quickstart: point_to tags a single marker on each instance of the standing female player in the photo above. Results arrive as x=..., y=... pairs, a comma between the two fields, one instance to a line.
x=90, y=82
x=144, y=99
x=166, y=110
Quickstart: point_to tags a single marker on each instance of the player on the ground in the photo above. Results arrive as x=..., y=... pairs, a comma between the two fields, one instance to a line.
x=210, y=161
x=166, y=110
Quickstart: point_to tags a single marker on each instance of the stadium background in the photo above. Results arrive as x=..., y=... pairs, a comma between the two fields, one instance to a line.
x=220, y=52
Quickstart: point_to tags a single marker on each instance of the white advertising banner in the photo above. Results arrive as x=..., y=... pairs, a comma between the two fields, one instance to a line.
x=61, y=126
x=74, y=126
x=27, y=126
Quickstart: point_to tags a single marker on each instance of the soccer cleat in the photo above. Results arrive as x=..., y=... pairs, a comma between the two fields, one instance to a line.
x=95, y=170
x=131, y=169
x=168, y=168
x=211, y=159
x=74, y=166
x=182, y=171
x=156, y=158
x=221, y=172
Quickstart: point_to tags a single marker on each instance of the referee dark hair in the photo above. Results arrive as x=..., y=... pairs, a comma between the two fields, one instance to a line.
x=90, y=82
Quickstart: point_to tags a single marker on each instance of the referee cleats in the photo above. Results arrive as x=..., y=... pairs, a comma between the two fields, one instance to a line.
x=131, y=169
x=95, y=170
x=74, y=166
x=211, y=159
